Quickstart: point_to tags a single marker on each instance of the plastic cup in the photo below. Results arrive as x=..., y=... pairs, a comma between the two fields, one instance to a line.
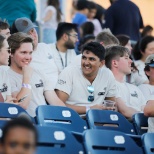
x=109, y=103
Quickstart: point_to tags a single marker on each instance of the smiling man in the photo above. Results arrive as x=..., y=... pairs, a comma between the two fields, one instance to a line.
x=86, y=87
x=29, y=86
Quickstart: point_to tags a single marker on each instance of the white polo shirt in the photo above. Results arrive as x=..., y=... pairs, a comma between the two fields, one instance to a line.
x=39, y=85
x=72, y=82
x=148, y=91
x=42, y=59
x=5, y=87
x=131, y=95
x=62, y=59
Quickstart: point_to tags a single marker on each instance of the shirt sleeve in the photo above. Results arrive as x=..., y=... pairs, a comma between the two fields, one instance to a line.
x=65, y=81
x=111, y=88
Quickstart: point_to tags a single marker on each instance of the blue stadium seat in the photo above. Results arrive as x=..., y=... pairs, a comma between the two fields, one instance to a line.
x=140, y=122
x=111, y=120
x=109, y=142
x=11, y=111
x=148, y=143
x=61, y=117
x=56, y=140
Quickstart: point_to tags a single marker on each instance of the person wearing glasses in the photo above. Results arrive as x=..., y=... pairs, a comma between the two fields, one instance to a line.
x=19, y=137
x=5, y=87
x=87, y=87
x=63, y=50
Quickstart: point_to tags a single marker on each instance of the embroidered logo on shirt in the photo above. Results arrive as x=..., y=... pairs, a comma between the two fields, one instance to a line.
x=49, y=56
x=102, y=93
x=39, y=84
x=134, y=94
x=4, y=89
x=61, y=82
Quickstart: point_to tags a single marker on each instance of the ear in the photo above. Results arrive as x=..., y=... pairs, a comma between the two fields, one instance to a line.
x=114, y=63
x=147, y=73
x=102, y=43
x=11, y=55
x=65, y=37
x=102, y=63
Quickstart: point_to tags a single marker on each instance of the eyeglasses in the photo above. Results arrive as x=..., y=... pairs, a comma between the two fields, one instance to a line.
x=73, y=35
x=91, y=91
x=25, y=146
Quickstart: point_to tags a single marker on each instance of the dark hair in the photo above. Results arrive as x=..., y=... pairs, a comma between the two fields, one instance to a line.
x=16, y=39
x=141, y=46
x=146, y=29
x=82, y=4
x=123, y=39
x=114, y=52
x=18, y=122
x=107, y=38
x=92, y=5
x=96, y=48
x=84, y=40
x=64, y=27
x=55, y=3
x=2, y=38
x=4, y=24
x=87, y=28
x=147, y=69
x=100, y=13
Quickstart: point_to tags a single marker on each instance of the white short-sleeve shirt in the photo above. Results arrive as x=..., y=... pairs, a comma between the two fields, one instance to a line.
x=62, y=59
x=39, y=85
x=148, y=91
x=42, y=59
x=131, y=95
x=73, y=82
x=5, y=87
x=140, y=66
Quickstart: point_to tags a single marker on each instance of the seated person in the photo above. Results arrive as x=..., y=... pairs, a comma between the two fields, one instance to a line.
x=28, y=85
x=118, y=61
x=148, y=91
x=87, y=87
x=5, y=87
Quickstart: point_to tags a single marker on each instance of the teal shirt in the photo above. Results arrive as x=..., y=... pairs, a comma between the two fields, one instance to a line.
x=13, y=9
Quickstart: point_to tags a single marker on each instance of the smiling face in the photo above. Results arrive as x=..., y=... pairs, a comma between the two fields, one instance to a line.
x=90, y=64
x=22, y=56
x=4, y=53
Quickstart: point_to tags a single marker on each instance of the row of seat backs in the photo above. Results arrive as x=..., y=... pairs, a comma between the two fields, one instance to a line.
x=69, y=119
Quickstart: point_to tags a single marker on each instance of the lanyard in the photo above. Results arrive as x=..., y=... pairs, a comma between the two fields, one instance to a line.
x=62, y=59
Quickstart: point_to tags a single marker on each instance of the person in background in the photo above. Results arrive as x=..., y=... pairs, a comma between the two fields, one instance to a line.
x=86, y=28
x=147, y=31
x=11, y=10
x=134, y=77
x=91, y=15
x=82, y=12
x=4, y=28
x=141, y=51
x=100, y=14
x=148, y=91
x=119, y=19
x=19, y=137
x=63, y=50
x=52, y=16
